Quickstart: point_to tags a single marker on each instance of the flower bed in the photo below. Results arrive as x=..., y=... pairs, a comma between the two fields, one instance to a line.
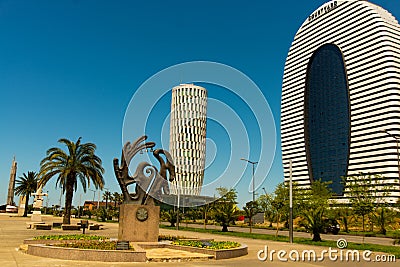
x=70, y=237
x=91, y=244
x=100, y=248
x=207, y=244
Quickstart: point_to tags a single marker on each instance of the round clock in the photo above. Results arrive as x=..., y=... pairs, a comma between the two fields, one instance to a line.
x=142, y=214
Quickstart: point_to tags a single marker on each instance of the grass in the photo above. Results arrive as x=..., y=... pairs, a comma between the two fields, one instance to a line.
x=298, y=240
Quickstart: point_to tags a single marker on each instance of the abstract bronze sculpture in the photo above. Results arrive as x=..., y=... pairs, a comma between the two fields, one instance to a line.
x=150, y=186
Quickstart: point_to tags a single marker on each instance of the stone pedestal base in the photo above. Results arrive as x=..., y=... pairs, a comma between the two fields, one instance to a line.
x=21, y=206
x=138, y=223
x=36, y=216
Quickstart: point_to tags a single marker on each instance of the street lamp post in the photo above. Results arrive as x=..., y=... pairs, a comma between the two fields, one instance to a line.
x=397, y=138
x=252, y=163
x=94, y=193
x=265, y=191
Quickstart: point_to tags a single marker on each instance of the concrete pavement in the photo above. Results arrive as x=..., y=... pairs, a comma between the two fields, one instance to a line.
x=13, y=231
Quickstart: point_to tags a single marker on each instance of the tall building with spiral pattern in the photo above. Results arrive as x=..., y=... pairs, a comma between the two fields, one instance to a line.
x=340, y=93
x=188, y=138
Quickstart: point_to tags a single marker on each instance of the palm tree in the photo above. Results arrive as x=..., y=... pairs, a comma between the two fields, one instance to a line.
x=117, y=198
x=225, y=208
x=107, y=196
x=26, y=185
x=79, y=162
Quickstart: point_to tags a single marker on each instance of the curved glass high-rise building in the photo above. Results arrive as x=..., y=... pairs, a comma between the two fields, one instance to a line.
x=188, y=137
x=340, y=92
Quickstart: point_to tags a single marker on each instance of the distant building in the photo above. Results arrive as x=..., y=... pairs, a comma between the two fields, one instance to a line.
x=340, y=91
x=188, y=137
x=92, y=205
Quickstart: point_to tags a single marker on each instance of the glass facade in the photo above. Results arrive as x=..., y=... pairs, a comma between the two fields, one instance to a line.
x=327, y=117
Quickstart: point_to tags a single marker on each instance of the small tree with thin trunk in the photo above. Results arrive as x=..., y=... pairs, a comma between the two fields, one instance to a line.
x=251, y=208
x=345, y=213
x=360, y=190
x=280, y=203
x=205, y=211
x=265, y=202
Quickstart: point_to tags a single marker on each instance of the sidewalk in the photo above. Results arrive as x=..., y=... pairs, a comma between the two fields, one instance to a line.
x=13, y=231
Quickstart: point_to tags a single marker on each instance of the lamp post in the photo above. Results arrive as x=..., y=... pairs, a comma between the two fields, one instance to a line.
x=252, y=163
x=94, y=193
x=265, y=191
x=397, y=138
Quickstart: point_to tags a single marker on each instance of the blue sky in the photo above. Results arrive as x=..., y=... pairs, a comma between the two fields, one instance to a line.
x=70, y=68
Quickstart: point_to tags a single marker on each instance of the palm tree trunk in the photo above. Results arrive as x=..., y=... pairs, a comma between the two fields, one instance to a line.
x=316, y=237
x=26, y=206
x=69, y=193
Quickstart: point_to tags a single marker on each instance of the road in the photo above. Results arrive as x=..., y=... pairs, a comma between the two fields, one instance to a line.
x=349, y=238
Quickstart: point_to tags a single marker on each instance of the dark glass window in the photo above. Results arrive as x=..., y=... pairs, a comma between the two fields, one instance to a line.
x=327, y=117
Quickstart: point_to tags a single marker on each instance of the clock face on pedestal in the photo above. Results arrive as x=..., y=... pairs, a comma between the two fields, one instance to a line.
x=142, y=214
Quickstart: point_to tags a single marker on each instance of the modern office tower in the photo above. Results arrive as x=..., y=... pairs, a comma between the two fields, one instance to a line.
x=188, y=137
x=340, y=107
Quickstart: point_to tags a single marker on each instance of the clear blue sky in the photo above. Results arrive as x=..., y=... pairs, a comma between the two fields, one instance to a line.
x=70, y=68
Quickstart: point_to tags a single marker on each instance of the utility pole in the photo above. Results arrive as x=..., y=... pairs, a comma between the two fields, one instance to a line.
x=252, y=163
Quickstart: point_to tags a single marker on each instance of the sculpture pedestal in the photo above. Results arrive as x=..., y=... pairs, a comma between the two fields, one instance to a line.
x=36, y=216
x=138, y=223
x=21, y=206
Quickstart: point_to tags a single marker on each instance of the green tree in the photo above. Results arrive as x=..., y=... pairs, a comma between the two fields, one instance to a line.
x=78, y=163
x=107, y=196
x=102, y=214
x=382, y=211
x=344, y=213
x=265, y=202
x=26, y=185
x=170, y=216
x=315, y=206
x=280, y=203
x=117, y=198
x=360, y=190
x=251, y=208
x=205, y=210
x=225, y=209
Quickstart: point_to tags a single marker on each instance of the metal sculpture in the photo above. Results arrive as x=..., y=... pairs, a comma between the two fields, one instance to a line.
x=148, y=187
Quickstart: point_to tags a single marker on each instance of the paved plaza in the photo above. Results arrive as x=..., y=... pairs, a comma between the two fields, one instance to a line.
x=13, y=231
